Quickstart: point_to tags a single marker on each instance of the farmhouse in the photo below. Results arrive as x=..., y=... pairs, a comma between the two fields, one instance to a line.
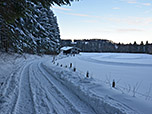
x=70, y=50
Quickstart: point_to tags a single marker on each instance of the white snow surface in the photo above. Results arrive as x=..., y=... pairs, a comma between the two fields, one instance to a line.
x=31, y=84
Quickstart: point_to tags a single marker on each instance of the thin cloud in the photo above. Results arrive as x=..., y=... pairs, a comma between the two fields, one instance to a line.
x=146, y=4
x=148, y=11
x=136, y=2
x=130, y=1
x=116, y=8
x=132, y=20
x=60, y=8
x=78, y=14
x=129, y=30
x=91, y=21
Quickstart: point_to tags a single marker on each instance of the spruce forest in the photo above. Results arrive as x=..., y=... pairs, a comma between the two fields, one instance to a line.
x=29, y=26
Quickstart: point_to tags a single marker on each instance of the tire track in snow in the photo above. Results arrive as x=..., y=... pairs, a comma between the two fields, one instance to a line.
x=25, y=103
x=58, y=101
x=10, y=89
x=41, y=95
x=9, y=92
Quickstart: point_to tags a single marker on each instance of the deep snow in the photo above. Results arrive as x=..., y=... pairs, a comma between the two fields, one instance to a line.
x=31, y=84
x=128, y=70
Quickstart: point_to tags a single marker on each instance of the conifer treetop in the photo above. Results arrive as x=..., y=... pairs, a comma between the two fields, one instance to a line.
x=13, y=9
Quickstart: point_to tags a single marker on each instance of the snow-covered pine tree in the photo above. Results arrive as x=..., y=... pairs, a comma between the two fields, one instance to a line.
x=29, y=26
x=48, y=22
x=5, y=35
x=13, y=9
x=37, y=32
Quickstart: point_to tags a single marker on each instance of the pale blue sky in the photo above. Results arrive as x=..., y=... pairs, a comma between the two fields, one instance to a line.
x=117, y=20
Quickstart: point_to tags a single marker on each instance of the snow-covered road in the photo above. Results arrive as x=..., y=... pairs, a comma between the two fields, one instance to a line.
x=37, y=86
x=39, y=92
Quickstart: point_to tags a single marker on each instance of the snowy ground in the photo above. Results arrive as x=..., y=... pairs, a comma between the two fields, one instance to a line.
x=32, y=84
x=128, y=70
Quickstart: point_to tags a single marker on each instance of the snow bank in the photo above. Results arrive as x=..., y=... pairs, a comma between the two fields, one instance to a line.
x=87, y=90
x=132, y=74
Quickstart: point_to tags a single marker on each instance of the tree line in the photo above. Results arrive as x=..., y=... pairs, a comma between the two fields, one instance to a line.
x=102, y=45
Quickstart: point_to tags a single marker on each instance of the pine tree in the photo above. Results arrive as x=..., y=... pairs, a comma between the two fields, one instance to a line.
x=13, y=9
x=38, y=32
x=142, y=43
x=29, y=26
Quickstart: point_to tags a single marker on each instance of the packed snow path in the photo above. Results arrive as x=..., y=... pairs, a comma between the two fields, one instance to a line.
x=40, y=93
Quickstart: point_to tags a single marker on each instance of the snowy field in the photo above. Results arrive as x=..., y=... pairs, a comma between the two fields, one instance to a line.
x=130, y=71
x=31, y=84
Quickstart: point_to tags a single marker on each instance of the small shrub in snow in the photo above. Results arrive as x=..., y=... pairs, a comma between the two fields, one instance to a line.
x=66, y=66
x=135, y=88
x=108, y=80
x=61, y=65
x=113, y=84
x=57, y=64
x=148, y=97
x=128, y=88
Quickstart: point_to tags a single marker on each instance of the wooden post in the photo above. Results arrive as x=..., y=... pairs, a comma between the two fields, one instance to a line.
x=70, y=65
x=74, y=69
x=113, y=84
x=87, y=75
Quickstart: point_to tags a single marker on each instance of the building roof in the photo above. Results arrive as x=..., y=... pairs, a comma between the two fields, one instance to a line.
x=66, y=48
